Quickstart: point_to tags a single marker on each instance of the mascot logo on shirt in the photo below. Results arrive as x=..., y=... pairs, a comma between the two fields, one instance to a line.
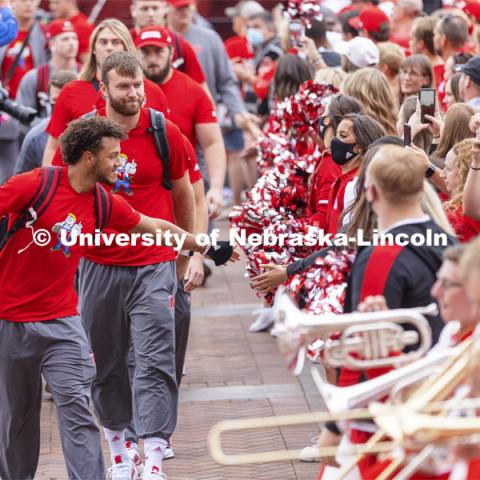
x=125, y=173
x=71, y=228
x=15, y=50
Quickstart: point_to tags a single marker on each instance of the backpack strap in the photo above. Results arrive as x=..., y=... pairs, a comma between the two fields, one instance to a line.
x=103, y=206
x=179, y=62
x=40, y=201
x=43, y=74
x=159, y=130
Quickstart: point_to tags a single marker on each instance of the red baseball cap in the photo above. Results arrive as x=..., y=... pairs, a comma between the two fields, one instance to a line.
x=181, y=3
x=155, y=37
x=58, y=27
x=370, y=19
x=472, y=8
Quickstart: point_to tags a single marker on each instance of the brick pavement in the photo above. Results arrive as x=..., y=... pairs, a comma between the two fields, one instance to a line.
x=231, y=373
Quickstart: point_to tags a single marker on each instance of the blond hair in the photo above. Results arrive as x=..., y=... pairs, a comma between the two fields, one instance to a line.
x=89, y=70
x=370, y=87
x=397, y=173
x=331, y=76
x=391, y=55
x=463, y=160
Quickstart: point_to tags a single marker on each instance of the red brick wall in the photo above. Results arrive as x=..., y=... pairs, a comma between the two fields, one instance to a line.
x=213, y=10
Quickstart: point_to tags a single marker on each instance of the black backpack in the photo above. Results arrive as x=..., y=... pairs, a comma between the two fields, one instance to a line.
x=49, y=182
x=159, y=130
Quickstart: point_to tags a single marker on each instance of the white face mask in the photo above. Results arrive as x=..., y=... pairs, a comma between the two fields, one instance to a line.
x=255, y=37
x=333, y=38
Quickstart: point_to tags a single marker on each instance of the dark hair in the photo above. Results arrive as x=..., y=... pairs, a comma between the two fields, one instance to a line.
x=344, y=18
x=342, y=105
x=125, y=64
x=317, y=31
x=291, y=72
x=455, y=30
x=383, y=34
x=60, y=78
x=461, y=58
x=361, y=215
x=86, y=135
x=366, y=129
x=423, y=28
x=455, y=86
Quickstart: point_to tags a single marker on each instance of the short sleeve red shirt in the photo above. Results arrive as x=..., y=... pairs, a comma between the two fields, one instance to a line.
x=190, y=65
x=238, y=47
x=84, y=29
x=188, y=112
x=80, y=97
x=194, y=170
x=24, y=65
x=36, y=284
x=139, y=181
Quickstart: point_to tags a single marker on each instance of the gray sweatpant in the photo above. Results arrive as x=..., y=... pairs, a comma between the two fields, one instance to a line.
x=57, y=349
x=119, y=303
x=182, y=327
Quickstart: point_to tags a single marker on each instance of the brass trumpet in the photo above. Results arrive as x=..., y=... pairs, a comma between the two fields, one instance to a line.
x=372, y=336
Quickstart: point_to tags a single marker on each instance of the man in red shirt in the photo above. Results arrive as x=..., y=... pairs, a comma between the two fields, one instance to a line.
x=152, y=13
x=82, y=96
x=27, y=51
x=40, y=330
x=138, y=284
x=196, y=117
x=68, y=10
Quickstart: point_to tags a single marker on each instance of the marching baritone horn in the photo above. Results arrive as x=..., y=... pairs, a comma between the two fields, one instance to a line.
x=372, y=336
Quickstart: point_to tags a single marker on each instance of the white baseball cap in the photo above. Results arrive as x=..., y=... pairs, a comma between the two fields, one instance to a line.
x=362, y=52
x=245, y=9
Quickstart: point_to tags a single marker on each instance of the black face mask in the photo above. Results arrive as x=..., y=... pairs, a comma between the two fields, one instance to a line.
x=322, y=128
x=342, y=152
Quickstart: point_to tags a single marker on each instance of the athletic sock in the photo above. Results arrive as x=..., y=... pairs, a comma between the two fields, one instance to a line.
x=116, y=443
x=154, y=449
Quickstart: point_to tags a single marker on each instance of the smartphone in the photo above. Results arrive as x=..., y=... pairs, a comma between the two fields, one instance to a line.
x=297, y=33
x=407, y=135
x=427, y=103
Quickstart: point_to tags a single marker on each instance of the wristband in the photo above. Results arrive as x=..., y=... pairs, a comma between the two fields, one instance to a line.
x=430, y=170
x=185, y=253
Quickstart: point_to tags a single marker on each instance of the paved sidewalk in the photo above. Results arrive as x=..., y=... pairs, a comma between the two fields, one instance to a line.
x=231, y=373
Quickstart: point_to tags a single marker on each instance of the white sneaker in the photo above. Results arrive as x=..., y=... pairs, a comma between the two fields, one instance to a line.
x=311, y=453
x=154, y=476
x=168, y=453
x=134, y=456
x=263, y=321
x=122, y=471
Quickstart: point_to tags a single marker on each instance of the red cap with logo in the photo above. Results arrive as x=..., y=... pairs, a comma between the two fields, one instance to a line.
x=58, y=27
x=472, y=8
x=370, y=19
x=181, y=3
x=154, y=37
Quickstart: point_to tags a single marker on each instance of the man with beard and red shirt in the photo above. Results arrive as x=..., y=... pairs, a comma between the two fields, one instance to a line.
x=82, y=96
x=152, y=13
x=68, y=10
x=196, y=117
x=40, y=329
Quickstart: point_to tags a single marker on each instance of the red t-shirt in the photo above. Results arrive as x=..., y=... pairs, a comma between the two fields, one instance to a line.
x=465, y=227
x=140, y=180
x=188, y=112
x=84, y=29
x=336, y=200
x=37, y=284
x=194, y=169
x=24, y=65
x=325, y=173
x=238, y=47
x=80, y=97
x=190, y=65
